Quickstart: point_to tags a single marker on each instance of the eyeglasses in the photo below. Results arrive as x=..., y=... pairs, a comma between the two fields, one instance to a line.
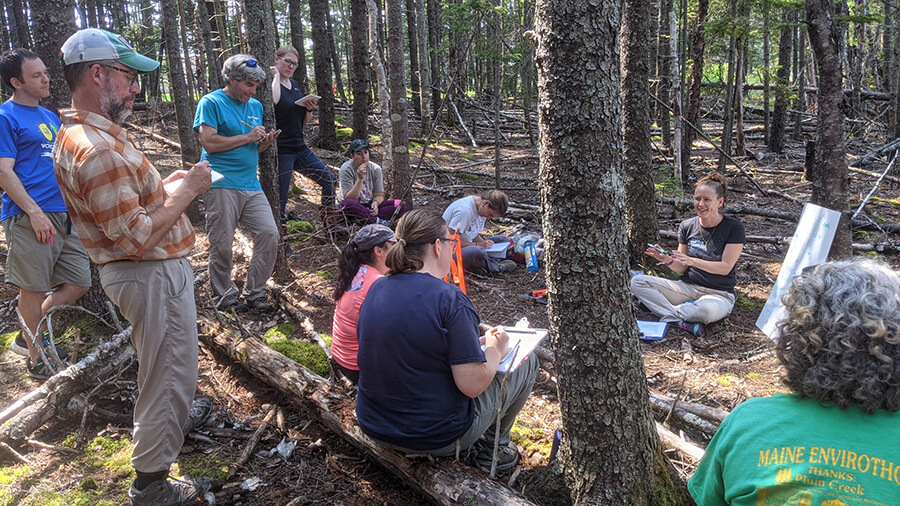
x=289, y=63
x=129, y=73
x=249, y=63
x=451, y=240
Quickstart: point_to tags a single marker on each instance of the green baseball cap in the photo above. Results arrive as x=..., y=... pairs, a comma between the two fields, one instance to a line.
x=93, y=44
x=358, y=145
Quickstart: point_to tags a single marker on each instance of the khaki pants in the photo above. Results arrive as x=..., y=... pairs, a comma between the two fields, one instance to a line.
x=679, y=301
x=157, y=298
x=515, y=395
x=225, y=210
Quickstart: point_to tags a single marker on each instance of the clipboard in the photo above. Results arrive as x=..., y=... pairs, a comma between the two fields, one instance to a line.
x=521, y=343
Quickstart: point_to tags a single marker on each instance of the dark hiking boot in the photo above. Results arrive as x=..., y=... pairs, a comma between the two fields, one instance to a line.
x=200, y=411
x=171, y=493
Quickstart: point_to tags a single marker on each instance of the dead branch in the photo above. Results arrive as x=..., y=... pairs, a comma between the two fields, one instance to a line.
x=35, y=408
x=443, y=481
x=251, y=444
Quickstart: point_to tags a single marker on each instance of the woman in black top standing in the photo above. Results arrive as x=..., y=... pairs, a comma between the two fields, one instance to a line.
x=709, y=246
x=290, y=116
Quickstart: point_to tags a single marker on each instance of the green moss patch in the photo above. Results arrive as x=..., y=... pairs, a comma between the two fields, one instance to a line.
x=309, y=355
x=111, y=454
x=300, y=227
x=6, y=339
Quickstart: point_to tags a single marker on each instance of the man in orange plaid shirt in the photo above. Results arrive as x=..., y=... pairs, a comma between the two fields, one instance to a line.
x=139, y=236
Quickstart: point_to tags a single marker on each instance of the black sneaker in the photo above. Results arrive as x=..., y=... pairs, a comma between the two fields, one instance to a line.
x=507, y=457
x=200, y=411
x=233, y=304
x=21, y=347
x=695, y=328
x=171, y=493
x=39, y=370
x=261, y=305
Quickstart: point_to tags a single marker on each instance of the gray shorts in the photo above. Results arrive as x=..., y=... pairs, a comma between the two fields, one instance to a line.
x=37, y=267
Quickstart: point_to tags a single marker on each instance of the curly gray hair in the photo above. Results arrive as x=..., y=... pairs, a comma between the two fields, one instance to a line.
x=840, y=339
x=243, y=67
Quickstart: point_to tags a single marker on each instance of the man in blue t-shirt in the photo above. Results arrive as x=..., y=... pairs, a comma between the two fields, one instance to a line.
x=229, y=122
x=44, y=252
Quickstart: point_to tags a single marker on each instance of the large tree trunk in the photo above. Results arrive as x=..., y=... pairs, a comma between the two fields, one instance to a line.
x=202, y=31
x=435, y=36
x=298, y=41
x=382, y=116
x=261, y=39
x=830, y=182
x=411, y=31
x=424, y=66
x=335, y=59
x=664, y=71
x=782, y=86
x=360, y=78
x=698, y=50
x=56, y=19
x=318, y=14
x=729, y=92
x=602, y=389
x=640, y=206
x=148, y=45
x=181, y=96
x=399, y=105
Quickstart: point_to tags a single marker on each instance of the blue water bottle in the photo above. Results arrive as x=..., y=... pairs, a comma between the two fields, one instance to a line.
x=531, y=261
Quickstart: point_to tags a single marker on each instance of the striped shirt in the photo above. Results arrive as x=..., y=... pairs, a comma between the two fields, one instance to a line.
x=110, y=189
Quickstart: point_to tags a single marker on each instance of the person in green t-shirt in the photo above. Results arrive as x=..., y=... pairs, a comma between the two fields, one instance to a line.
x=836, y=439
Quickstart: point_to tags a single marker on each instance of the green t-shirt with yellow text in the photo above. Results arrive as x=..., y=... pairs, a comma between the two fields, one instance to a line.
x=786, y=449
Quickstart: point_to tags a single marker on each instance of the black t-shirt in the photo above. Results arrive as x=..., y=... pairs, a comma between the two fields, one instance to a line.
x=709, y=244
x=290, y=117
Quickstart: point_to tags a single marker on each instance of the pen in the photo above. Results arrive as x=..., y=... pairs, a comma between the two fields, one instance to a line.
x=246, y=124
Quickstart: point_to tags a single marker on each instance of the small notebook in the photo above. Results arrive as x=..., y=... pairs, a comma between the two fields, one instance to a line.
x=652, y=331
x=171, y=187
x=498, y=250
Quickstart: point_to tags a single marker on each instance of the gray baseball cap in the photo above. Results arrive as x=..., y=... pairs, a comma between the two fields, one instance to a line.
x=94, y=44
x=372, y=235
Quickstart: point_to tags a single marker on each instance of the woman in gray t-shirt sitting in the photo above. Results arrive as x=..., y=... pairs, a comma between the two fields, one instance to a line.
x=709, y=246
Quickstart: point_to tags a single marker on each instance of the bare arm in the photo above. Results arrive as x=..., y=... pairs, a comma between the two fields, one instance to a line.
x=276, y=86
x=9, y=181
x=212, y=142
x=473, y=378
x=196, y=181
x=668, y=260
x=730, y=256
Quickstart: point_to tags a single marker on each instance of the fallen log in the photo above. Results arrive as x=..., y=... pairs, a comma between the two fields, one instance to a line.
x=712, y=414
x=879, y=247
x=780, y=215
x=442, y=480
x=671, y=440
x=696, y=424
x=165, y=140
x=35, y=408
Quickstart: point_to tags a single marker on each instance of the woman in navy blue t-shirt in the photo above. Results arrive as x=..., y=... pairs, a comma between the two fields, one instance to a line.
x=428, y=380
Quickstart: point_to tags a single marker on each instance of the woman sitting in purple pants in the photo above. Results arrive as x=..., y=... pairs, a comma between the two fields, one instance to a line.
x=362, y=189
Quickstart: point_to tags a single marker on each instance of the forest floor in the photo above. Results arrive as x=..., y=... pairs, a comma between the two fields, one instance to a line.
x=733, y=363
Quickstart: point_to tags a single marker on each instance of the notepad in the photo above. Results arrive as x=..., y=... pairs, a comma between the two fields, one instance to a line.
x=171, y=187
x=498, y=250
x=652, y=331
x=526, y=340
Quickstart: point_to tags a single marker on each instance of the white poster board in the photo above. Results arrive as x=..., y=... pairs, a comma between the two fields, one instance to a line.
x=809, y=246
